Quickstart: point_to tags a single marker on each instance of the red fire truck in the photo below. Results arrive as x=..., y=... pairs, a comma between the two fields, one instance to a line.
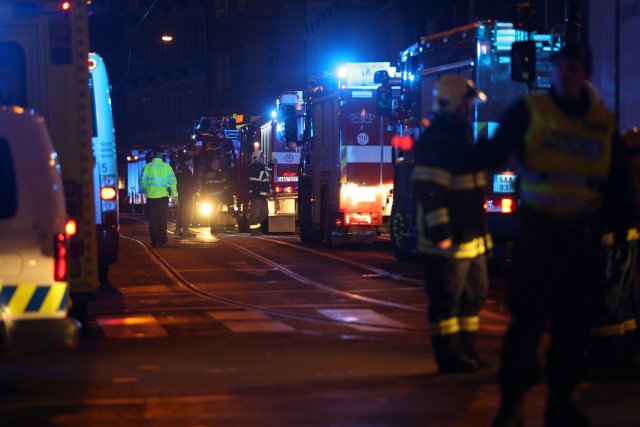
x=481, y=52
x=346, y=175
x=280, y=137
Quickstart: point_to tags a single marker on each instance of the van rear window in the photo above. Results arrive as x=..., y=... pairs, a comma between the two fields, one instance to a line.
x=8, y=190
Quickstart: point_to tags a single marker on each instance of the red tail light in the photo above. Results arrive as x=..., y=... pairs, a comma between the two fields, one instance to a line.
x=60, y=258
x=71, y=227
x=65, y=5
x=358, y=219
x=108, y=193
x=402, y=142
x=507, y=205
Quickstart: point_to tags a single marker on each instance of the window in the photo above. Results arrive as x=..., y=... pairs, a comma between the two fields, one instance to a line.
x=94, y=107
x=13, y=80
x=8, y=190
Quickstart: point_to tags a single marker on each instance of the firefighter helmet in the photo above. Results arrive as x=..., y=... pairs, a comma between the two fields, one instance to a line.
x=451, y=91
x=257, y=157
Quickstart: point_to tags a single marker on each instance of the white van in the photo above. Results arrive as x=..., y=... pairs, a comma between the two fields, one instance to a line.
x=34, y=249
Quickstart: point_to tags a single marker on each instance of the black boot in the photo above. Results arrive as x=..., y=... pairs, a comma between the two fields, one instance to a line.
x=449, y=355
x=509, y=414
x=468, y=343
x=562, y=412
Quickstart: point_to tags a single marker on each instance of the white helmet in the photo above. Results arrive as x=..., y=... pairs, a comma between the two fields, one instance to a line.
x=451, y=91
x=257, y=157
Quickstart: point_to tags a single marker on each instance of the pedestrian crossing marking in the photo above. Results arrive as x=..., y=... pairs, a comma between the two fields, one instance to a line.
x=141, y=326
x=238, y=315
x=245, y=321
x=260, y=326
x=363, y=315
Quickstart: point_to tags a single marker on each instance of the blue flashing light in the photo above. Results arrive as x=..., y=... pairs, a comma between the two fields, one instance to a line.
x=412, y=77
x=274, y=114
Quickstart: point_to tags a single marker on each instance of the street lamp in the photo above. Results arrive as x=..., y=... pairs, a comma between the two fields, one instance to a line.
x=167, y=38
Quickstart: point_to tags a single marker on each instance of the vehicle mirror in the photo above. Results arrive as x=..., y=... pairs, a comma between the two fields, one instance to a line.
x=380, y=77
x=383, y=101
x=523, y=61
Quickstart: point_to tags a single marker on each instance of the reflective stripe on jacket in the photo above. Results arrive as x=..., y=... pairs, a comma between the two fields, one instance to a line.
x=566, y=159
x=157, y=177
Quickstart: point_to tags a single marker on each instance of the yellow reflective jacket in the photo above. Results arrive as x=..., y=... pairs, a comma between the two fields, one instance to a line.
x=565, y=159
x=156, y=179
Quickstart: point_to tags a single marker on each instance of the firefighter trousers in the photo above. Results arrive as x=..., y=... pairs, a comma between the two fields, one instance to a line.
x=156, y=210
x=258, y=211
x=554, y=276
x=457, y=289
x=615, y=319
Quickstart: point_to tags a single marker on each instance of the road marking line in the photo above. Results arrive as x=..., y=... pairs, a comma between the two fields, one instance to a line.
x=262, y=326
x=142, y=326
x=125, y=401
x=238, y=315
x=361, y=315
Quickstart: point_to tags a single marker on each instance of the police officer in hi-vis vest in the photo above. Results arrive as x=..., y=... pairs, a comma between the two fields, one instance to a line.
x=574, y=188
x=156, y=181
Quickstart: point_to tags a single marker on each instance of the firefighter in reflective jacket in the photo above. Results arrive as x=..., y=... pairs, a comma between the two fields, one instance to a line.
x=573, y=186
x=452, y=232
x=616, y=324
x=156, y=180
x=259, y=188
x=216, y=186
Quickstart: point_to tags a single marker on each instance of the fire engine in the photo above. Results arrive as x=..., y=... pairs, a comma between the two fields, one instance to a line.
x=279, y=140
x=480, y=52
x=346, y=175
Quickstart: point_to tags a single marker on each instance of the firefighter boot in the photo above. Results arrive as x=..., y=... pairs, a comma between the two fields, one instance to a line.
x=510, y=413
x=449, y=355
x=562, y=412
x=468, y=342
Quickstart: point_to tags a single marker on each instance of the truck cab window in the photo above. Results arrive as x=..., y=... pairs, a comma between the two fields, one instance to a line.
x=8, y=191
x=13, y=85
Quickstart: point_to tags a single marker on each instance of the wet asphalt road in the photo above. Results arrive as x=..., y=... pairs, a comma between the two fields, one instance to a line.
x=230, y=330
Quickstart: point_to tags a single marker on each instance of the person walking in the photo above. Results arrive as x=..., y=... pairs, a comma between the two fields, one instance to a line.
x=156, y=180
x=259, y=188
x=570, y=161
x=186, y=188
x=452, y=232
x=216, y=186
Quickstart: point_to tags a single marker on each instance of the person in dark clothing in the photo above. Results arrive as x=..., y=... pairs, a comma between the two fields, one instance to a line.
x=572, y=186
x=259, y=188
x=216, y=187
x=615, y=339
x=452, y=231
x=186, y=188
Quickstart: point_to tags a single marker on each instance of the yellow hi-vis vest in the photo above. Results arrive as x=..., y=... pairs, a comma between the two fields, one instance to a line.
x=565, y=158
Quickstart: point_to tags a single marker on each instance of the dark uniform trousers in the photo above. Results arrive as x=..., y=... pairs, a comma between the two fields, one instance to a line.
x=258, y=210
x=457, y=289
x=556, y=272
x=156, y=210
x=185, y=212
x=615, y=322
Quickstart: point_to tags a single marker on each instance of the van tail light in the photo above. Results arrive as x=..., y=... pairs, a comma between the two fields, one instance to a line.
x=60, y=258
x=108, y=193
x=507, y=205
x=504, y=205
x=71, y=228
